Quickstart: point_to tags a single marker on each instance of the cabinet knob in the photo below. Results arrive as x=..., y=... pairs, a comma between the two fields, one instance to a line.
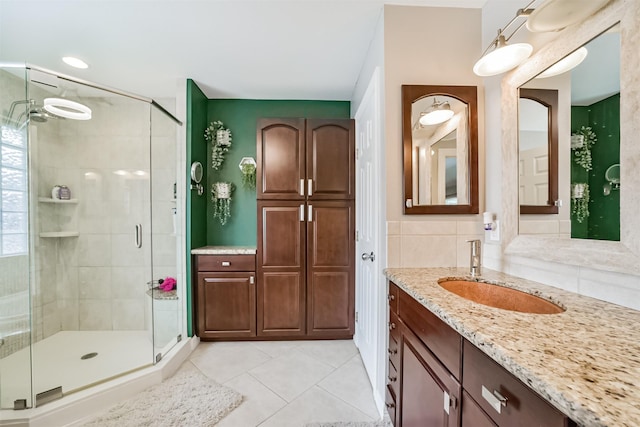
x=226, y=263
x=391, y=297
x=392, y=379
x=392, y=352
x=390, y=405
x=392, y=326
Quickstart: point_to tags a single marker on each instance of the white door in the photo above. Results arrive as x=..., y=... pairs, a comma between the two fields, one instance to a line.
x=369, y=281
x=534, y=173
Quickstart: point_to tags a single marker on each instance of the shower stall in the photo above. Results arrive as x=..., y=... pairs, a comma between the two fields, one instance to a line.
x=91, y=284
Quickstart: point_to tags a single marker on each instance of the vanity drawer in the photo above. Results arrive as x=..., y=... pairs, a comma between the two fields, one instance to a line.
x=486, y=381
x=226, y=262
x=390, y=403
x=440, y=338
x=393, y=297
x=394, y=340
x=393, y=379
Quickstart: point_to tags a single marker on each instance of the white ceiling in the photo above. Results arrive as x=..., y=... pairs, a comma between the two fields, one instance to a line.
x=253, y=49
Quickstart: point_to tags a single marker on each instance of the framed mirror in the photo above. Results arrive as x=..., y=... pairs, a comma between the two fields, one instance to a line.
x=440, y=149
x=555, y=244
x=538, y=151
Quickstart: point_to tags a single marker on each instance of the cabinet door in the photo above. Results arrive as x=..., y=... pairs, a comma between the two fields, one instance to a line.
x=226, y=305
x=281, y=159
x=429, y=394
x=330, y=268
x=473, y=415
x=281, y=268
x=330, y=159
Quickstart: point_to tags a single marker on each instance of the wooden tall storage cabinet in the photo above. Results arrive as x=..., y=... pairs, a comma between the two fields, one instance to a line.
x=306, y=228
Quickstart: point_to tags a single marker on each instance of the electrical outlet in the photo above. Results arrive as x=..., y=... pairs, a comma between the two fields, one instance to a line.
x=494, y=235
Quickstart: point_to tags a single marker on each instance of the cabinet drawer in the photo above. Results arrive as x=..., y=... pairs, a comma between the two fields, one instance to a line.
x=485, y=381
x=390, y=403
x=439, y=337
x=394, y=340
x=393, y=379
x=473, y=415
x=226, y=262
x=393, y=297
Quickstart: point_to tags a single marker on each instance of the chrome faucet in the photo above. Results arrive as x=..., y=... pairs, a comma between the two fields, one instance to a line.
x=475, y=267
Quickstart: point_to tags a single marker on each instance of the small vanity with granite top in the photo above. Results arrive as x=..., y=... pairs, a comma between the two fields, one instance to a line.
x=456, y=362
x=225, y=291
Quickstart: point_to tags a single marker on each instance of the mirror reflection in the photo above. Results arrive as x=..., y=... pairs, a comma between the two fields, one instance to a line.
x=440, y=143
x=538, y=151
x=589, y=144
x=441, y=175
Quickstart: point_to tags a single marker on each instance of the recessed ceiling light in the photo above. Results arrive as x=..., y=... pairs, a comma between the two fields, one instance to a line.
x=75, y=62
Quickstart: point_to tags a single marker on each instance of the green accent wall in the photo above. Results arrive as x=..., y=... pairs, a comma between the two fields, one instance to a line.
x=603, y=222
x=240, y=116
x=196, y=151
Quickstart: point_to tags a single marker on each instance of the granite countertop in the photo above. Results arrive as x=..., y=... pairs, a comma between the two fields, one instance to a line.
x=224, y=250
x=584, y=361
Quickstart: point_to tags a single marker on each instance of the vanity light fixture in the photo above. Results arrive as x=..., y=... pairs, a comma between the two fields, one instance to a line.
x=67, y=109
x=438, y=112
x=566, y=64
x=75, y=62
x=504, y=57
x=554, y=15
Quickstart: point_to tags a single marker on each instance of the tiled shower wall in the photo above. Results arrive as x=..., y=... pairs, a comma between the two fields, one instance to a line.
x=96, y=281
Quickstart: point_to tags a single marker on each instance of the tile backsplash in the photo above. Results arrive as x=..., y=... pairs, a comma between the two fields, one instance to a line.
x=430, y=243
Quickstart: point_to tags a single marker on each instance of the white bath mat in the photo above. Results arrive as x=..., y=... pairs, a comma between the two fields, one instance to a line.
x=186, y=399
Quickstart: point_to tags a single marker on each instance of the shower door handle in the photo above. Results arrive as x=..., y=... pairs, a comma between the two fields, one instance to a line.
x=138, y=235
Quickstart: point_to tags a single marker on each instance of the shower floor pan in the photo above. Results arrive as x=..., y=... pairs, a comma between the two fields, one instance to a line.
x=58, y=362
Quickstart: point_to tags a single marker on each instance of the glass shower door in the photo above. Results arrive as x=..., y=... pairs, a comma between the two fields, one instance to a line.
x=15, y=313
x=166, y=302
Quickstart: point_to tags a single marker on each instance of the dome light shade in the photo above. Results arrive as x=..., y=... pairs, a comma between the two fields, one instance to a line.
x=75, y=62
x=503, y=58
x=67, y=109
x=437, y=113
x=567, y=63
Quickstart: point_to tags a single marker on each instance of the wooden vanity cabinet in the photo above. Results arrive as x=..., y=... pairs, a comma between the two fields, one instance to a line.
x=438, y=369
x=427, y=393
x=226, y=296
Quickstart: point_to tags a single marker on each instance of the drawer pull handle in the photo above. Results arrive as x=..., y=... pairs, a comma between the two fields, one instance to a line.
x=392, y=379
x=391, y=297
x=392, y=352
x=495, y=399
x=226, y=264
x=390, y=405
x=392, y=326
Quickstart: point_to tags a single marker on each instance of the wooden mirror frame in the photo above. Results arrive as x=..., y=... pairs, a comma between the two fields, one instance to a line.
x=548, y=98
x=466, y=94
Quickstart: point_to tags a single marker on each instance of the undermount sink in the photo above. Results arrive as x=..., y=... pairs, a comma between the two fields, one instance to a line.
x=500, y=297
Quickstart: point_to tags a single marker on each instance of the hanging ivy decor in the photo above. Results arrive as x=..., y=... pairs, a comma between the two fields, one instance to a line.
x=582, y=152
x=580, y=201
x=220, y=138
x=221, y=198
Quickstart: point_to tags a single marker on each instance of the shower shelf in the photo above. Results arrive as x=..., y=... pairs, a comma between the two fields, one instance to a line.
x=50, y=200
x=59, y=234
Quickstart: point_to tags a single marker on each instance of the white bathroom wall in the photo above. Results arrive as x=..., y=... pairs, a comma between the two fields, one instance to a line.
x=430, y=46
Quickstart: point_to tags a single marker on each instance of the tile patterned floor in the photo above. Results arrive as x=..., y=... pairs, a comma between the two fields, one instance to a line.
x=289, y=383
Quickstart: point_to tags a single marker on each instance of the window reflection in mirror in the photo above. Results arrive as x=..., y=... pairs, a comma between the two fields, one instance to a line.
x=440, y=160
x=589, y=145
